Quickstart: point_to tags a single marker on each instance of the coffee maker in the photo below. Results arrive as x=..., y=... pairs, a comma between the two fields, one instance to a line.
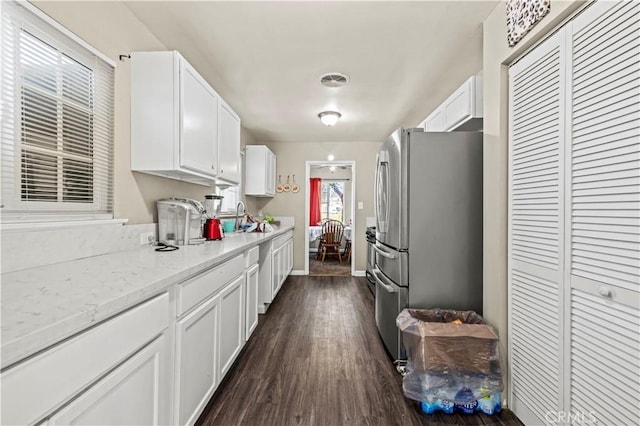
x=180, y=221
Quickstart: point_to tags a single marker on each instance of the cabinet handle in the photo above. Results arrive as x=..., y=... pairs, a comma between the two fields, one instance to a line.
x=213, y=167
x=221, y=171
x=605, y=291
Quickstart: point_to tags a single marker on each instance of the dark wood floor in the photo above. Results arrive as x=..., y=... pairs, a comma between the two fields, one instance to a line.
x=331, y=267
x=316, y=359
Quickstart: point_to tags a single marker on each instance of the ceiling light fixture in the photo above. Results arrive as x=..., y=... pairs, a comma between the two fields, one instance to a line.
x=329, y=118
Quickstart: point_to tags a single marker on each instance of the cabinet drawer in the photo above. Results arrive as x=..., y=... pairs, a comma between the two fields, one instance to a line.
x=195, y=290
x=36, y=387
x=251, y=256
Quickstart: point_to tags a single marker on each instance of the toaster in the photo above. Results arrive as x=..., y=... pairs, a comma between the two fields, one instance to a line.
x=180, y=221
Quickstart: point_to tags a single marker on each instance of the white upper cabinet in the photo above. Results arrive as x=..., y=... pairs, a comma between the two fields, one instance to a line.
x=261, y=171
x=198, y=122
x=180, y=127
x=461, y=111
x=228, y=144
x=435, y=122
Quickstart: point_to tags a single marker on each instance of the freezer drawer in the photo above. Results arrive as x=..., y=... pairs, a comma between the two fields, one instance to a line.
x=393, y=263
x=390, y=300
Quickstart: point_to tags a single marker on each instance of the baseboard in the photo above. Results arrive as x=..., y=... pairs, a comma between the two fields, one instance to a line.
x=262, y=309
x=355, y=273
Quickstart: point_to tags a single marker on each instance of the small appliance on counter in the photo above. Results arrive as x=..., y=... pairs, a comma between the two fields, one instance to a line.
x=180, y=221
x=213, y=229
x=212, y=204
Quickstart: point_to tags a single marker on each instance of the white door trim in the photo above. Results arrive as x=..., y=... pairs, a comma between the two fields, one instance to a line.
x=352, y=165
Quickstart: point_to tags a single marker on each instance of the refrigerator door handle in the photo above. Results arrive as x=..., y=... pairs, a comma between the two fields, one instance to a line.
x=384, y=253
x=389, y=288
x=382, y=193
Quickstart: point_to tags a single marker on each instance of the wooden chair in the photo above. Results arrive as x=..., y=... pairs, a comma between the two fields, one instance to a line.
x=347, y=250
x=332, y=231
x=319, y=252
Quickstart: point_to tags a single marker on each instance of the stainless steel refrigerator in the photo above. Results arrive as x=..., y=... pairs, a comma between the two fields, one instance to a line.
x=428, y=200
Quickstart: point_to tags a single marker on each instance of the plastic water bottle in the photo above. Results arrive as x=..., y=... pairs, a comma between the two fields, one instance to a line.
x=469, y=405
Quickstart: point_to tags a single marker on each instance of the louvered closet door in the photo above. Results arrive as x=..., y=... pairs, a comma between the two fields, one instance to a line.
x=603, y=211
x=536, y=155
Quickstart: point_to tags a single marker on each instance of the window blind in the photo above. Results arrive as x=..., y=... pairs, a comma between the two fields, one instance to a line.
x=57, y=121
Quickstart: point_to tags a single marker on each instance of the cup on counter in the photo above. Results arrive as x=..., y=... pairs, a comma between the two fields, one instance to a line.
x=228, y=226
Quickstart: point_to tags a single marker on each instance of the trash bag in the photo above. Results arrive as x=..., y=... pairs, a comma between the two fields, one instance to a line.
x=449, y=351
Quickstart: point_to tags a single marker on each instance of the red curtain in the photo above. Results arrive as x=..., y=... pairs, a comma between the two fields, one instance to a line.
x=315, y=193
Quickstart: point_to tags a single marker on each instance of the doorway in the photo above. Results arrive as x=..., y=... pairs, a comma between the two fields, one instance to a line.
x=334, y=199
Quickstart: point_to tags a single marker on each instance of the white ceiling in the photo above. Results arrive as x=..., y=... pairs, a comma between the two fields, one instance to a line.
x=265, y=60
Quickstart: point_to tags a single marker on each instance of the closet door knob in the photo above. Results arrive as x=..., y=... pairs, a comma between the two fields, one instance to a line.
x=605, y=291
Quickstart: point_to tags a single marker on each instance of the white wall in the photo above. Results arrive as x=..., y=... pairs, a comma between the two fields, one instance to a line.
x=496, y=58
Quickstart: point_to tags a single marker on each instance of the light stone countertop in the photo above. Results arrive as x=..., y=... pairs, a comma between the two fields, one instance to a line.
x=45, y=305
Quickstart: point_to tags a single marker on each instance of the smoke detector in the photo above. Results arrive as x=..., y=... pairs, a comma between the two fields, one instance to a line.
x=334, y=79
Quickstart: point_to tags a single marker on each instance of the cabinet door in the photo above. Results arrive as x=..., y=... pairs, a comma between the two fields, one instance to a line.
x=435, y=122
x=265, y=275
x=228, y=144
x=130, y=395
x=536, y=176
x=271, y=173
x=289, y=258
x=283, y=266
x=252, y=301
x=275, y=271
x=199, y=122
x=196, y=360
x=232, y=314
x=458, y=107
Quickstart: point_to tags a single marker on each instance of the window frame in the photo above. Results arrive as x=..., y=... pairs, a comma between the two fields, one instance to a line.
x=237, y=188
x=328, y=182
x=48, y=31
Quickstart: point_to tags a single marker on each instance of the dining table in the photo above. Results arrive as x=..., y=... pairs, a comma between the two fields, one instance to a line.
x=316, y=231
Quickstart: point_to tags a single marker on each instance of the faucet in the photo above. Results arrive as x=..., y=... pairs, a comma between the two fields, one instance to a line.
x=244, y=208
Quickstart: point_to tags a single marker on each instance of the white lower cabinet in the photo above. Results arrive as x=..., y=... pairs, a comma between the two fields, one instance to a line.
x=251, y=317
x=196, y=360
x=282, y=262
x=85, y=376
x=129, y=395
x=210, y=337
x=231, y=329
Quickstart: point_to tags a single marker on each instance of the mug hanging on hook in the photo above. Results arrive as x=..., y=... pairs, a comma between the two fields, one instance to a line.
x=294, y=186
x=287, y=186
x=279, y=186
